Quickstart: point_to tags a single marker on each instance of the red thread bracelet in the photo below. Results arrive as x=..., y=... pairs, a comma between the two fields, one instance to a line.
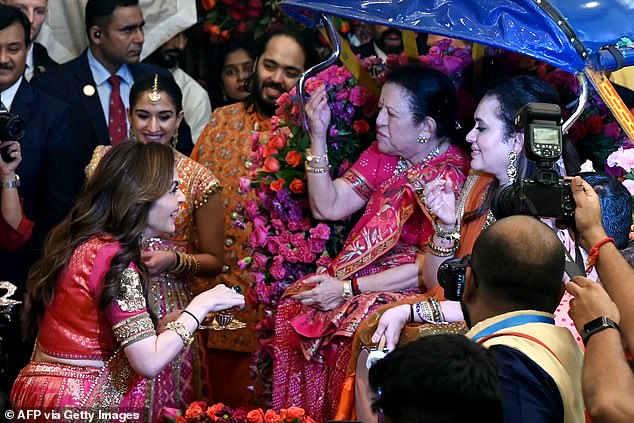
x=594, y=252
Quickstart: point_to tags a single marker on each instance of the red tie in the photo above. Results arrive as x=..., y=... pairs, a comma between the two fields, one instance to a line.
x=117, y=125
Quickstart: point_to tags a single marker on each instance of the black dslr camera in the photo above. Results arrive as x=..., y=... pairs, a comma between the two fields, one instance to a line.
x=546, y=193
x=12, y=128
x=451, y=276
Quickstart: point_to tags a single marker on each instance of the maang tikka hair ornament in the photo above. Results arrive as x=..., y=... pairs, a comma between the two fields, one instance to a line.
x=154, y=96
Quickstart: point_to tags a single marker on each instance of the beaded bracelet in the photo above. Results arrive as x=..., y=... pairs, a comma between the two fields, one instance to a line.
x=452, y=234
x=439, y=251
x=429, y=311
x=181, y=330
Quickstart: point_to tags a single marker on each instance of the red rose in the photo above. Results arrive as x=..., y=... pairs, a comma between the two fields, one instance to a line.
x=241, y=28
x=195, y=410
x=271, y=417
x=209, y=4
x=255, y=416
x=213, y=30
x=276, y=186
x=594, y=124
x=271, y=165
x=360, y=126
x=278, y=141
x=295, y=413
x=238, y=12
x=297, y=187
x=293, y=158
x=224, y=35
x=213, y=410
x=269, y=150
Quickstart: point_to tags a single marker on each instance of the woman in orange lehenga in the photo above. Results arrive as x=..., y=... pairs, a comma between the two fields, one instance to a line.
x=319, y=314
x=87, y=297
x=155, y=114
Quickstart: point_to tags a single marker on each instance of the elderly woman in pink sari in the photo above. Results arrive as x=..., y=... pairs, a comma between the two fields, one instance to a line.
x=380, y=261
x=97, y=335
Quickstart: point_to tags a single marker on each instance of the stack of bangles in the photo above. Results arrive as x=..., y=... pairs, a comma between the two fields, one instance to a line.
x=452, y=236
x=427, y=311
x=186, y=265
x=316, y=164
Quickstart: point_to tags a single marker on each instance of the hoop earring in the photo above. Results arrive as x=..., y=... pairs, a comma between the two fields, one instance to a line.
x=422, y=139
x=174, y=140
x=511, y=169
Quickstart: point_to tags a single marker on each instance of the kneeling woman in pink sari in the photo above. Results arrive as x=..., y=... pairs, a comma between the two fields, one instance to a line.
x=97, y=339
x=319, y=314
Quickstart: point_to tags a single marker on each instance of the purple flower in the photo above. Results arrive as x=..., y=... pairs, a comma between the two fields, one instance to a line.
x=277, y=269
x=259, y=261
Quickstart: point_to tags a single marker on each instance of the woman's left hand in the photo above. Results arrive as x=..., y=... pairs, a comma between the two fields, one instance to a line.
x=158, y=262
x=325, y=296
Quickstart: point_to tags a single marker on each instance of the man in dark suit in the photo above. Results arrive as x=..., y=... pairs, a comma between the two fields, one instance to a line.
x=115, y=34
x=44, y=150
x=37, y=60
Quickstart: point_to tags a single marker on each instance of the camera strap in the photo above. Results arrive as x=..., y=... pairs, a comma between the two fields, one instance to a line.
x=574, y=267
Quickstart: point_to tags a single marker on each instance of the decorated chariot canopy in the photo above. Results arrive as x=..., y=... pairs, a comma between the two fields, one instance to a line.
x=568, y=34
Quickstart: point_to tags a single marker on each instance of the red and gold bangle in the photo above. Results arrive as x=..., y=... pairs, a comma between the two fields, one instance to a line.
x=594, y=252
x=355, y=285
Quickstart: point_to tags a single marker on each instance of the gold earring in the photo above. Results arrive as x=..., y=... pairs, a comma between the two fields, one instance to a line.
x=511, y=169
x=174, y=140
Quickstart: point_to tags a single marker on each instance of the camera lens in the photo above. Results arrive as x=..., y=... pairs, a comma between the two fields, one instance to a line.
x=12, y=128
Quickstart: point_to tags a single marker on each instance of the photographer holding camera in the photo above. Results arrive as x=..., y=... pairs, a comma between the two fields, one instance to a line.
x=15, y=228
x=498, y=156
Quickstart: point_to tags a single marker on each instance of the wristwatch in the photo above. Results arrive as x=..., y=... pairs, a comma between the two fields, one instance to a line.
x=595, y=326
x=14, y=183
x=347, y=290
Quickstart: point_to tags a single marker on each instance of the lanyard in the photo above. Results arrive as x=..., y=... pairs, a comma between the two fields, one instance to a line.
x=511, y=322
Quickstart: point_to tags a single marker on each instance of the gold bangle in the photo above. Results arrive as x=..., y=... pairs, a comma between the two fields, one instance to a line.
x=180, y=329
x=311, y=158
x=311, y=169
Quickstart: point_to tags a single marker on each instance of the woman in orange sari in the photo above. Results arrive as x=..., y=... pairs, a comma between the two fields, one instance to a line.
x=318, y=315
x=97, y=339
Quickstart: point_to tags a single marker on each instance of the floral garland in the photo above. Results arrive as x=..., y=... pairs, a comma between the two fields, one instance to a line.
x=199, y=412
x=224, y=19
x=287, y=242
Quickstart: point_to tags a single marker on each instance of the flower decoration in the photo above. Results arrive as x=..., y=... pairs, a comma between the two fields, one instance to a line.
x=199, y=412
x=223, y=19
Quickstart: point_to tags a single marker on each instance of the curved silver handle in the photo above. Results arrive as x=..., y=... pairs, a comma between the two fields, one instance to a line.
x=331, y=60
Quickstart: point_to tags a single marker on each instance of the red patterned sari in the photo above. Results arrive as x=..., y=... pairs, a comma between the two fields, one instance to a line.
x=313, y=348
x=74, y=327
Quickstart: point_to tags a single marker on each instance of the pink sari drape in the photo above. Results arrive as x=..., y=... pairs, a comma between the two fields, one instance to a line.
x=313, y=348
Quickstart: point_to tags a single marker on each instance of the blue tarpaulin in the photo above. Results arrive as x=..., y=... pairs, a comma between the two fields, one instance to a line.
x=564, y=33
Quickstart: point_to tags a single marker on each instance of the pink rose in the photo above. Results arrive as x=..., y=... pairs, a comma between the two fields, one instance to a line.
x=244, y=184
x=258, y=237
x=259, y=260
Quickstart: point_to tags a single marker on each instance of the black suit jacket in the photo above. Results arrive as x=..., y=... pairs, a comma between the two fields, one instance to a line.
x=45, y=150
x=88, y=123
x=42, y=62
